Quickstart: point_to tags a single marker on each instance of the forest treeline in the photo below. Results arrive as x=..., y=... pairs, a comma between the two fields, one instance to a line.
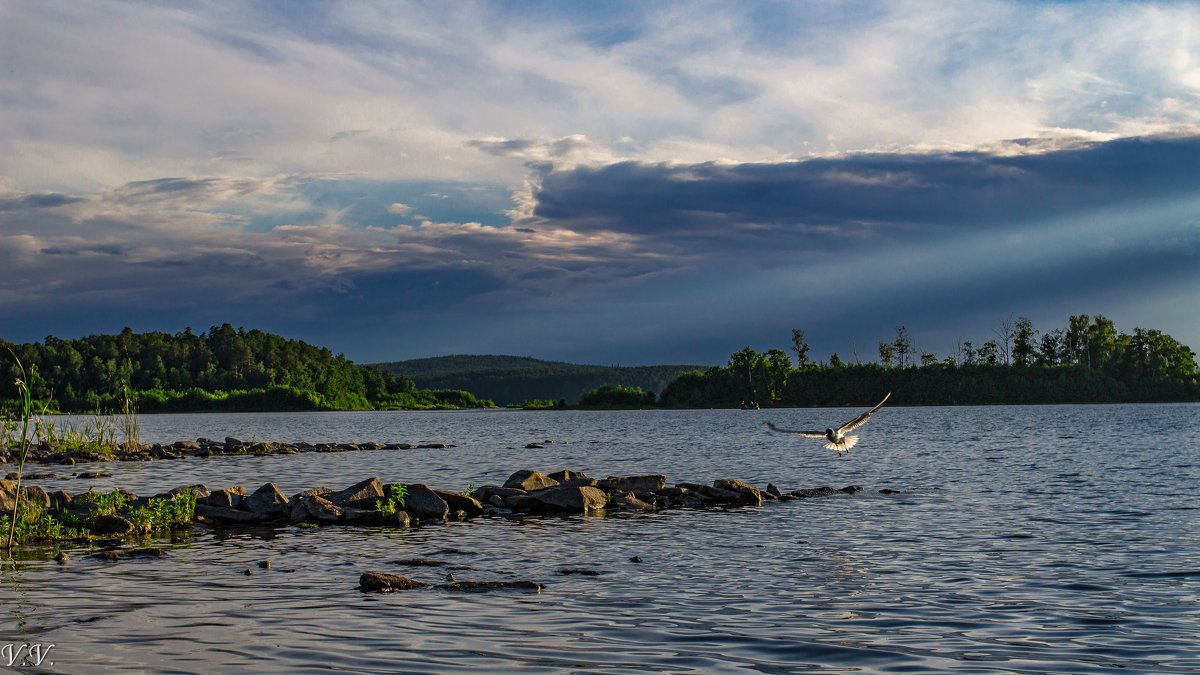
x=513, y=380
x=1086, y=361
x=222, y=369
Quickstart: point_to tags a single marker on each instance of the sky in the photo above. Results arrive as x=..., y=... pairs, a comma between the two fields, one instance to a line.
x=611, y=183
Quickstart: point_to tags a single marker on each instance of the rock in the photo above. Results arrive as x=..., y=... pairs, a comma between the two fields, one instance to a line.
x=222, y=515
x=321, y=491
x=889, y=491
x=361, y=495
x=267, y=500
x=425, y=503
x=354, y=516
x=534, y=446
x=248, y=572
x=639, y=485
x=458, y=501
x=311, y=507
x=61, y=557
x=122, y=554
x=485, y=493
x=398, y=519
x=627, y=501
x=60, y=500
x=806, y=493
x=714, y=494
x=529, y=480
x=110, y=524
x=229, y=498
x=636, y=559
x=574, y=499
x=752, y=494
x=30, y=494
x=496, y=501
x=200, y=491
x=772, y=490
x=851, y=489
x=478, y=586
x=581, y=572
x=568, y=477
x=232, y=443
x=264, y=564
x=186, y=445
x=380, y=582
x=433, y=446
x=521, y=502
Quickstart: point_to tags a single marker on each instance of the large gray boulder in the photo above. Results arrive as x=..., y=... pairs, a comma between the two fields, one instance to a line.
x=267, y=500
x=569, y=477
x=571, y=498
x=311, y=508
x=425, y=503
x=361, y=495
x=751, y=494
x=485, y=493
x=639, y=485
x=529, y=480
x=30, y=494
x=458, y=501
x=627, y=501
x=229, y=498
x=221, y=515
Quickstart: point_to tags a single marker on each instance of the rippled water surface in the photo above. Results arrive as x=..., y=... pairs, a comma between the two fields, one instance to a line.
x=1023, y=539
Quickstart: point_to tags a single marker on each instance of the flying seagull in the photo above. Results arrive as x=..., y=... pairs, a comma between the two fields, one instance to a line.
x=836, y=439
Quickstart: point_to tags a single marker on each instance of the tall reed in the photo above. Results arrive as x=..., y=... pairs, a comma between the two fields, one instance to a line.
x=131, y=429
x=25, y=406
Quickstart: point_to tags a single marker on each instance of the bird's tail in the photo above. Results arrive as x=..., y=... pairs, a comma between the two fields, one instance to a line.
x=846, y=443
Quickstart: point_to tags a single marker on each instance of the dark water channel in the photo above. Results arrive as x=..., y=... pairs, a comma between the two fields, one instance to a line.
x=1023, y=539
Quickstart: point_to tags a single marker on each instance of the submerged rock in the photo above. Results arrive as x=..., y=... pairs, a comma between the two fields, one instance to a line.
x=123, y=554
x=479, y=586
x=381, y=582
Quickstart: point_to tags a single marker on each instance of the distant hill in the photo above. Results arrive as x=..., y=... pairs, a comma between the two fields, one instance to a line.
x=510, y=380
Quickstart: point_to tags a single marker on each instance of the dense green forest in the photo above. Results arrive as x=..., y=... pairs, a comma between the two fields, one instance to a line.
x=1087, y=361
x=222, y=369
x=512, y=380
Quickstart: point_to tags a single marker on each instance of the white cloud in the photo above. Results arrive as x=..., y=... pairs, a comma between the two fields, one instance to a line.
x=101, y=94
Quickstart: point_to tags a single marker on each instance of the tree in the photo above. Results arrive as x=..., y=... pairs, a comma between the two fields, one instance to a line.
x=1051, y=352
x=1024, y=351
x=887, y=354
x=800, y=347
x=835, y=361
x=902, y=345
x=989, y=353
x=1075, y=344
x=968, y=353
x=778, y=365
x=743, y=365
x=1005, y=334
x=928, y=359
x=1101, y=341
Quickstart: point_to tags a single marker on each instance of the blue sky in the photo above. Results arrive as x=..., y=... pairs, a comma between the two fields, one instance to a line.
x=598, y=182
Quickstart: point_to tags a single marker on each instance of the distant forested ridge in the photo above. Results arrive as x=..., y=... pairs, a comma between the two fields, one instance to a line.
x=1087, y=361
x=222, y=369
x=512, y=380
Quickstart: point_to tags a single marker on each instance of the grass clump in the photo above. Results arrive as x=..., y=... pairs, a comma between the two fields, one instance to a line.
x=164, y=514
x=393, y=501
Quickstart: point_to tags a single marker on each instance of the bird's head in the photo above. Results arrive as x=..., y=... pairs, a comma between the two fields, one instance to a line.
x=829, y=432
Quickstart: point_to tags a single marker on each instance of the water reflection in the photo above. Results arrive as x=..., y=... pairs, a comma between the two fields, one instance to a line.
x=1001, y=552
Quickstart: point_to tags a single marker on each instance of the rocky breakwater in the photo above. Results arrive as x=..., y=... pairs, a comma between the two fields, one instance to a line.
x=64, y=453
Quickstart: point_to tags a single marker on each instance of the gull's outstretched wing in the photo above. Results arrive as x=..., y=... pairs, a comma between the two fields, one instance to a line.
x=862, y=419
x=806, y=434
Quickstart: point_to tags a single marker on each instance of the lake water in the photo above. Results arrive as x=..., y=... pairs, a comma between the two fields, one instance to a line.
x=1024, y=539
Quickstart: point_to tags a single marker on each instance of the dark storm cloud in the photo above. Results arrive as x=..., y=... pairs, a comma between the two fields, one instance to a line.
x=834, y=203
x=30, y=202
